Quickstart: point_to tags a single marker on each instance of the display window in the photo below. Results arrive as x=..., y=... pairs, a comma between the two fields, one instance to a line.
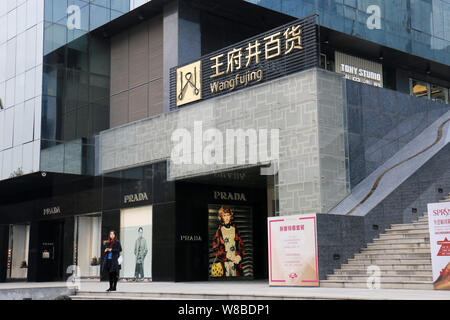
x=427, y=90
x=136, y=239
x=87, y=251
x=19, y=239
x=231, y=242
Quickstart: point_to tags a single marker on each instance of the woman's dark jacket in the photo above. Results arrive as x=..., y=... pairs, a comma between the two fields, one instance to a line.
x=113, y=266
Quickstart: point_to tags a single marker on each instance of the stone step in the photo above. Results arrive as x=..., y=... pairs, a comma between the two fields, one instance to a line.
x=401, y=240
x=415, y=225
x=118, y=298
x=421, y=235
x=393, y=246
x=383, y=278
x=392, y=256
x=416, y=285
x=383, y=262
x=400, y=250
x=389, y=267
x=405, y=272
x=126, y=295
x=411, y=230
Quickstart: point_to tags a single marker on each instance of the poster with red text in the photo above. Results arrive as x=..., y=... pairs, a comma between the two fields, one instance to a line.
x=293, y=251
x=439, y=226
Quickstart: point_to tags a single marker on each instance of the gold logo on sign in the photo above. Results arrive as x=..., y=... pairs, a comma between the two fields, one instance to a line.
x=189, y=83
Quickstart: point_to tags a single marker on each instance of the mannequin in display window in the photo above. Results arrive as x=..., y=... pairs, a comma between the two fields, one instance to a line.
x=228, y=246
x=140, y=251
x=111, y=260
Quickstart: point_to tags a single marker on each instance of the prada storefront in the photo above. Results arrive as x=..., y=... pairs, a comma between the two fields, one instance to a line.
x=205, y=228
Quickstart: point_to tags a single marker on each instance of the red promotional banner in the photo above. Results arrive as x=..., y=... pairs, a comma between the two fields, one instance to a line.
x=439, y=226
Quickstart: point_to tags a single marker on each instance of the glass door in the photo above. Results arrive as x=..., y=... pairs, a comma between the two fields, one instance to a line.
x=19, y=239
x=87, y=251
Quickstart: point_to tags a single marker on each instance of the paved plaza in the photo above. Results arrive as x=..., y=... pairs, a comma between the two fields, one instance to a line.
x=220, y=290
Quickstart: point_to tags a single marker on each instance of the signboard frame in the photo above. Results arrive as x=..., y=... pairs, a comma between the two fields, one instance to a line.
x=270, y=63
x=302, y=229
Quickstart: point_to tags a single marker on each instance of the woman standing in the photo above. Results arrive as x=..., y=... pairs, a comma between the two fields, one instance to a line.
x=110, y=260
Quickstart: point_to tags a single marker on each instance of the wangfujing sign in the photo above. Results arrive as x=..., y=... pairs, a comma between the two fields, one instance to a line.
x=284, y=50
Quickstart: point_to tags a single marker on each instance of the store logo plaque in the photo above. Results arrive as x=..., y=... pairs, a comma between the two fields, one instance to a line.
x=232, y=196
x=189, y=83
x=135, y=197
x=51, y=211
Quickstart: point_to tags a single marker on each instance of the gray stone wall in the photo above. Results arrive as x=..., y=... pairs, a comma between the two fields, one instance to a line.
x=306, y=108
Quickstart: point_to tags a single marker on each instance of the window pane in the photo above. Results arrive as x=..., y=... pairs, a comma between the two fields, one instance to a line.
x=439, y=93
x=419, y=89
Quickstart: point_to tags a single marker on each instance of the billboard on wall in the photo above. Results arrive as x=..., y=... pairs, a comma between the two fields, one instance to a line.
x=439, y=226
x=359, y=70
x=231, y=241
x=293, y=258
x=136, y=237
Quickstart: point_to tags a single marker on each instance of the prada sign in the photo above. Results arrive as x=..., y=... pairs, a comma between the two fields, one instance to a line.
x=51, y=211
x=135, y=197
x=284, y=50
x=230, y=196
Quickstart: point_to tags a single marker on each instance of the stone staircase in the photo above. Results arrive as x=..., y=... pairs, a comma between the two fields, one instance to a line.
x=402, y=253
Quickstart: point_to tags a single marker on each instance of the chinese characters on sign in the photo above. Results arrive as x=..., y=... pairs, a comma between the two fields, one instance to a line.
x=276, y=53
x=292, y=228
x=250, y=56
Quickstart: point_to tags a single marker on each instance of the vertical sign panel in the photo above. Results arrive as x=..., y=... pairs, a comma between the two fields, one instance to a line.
x=439, y=226
x=293, y=256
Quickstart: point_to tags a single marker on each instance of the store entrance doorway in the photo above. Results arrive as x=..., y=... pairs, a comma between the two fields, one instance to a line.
x=87, y=250
x=18, y=248
x=50, y=250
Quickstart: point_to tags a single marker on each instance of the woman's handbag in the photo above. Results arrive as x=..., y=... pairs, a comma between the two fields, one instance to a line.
x=216, y=269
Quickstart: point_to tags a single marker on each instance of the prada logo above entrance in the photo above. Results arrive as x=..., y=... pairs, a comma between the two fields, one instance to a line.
x=136, y=197
x=284, y=50
x=233, y=196
x=51, y=211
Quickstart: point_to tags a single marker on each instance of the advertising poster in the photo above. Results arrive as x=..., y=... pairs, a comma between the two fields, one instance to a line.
x=439, y=226
x=293, y=251
x=231, y=242
x=136, y=240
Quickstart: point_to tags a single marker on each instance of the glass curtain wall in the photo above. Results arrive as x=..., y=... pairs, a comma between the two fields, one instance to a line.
x=67, y=20
x=419, y=27
x=75, y=104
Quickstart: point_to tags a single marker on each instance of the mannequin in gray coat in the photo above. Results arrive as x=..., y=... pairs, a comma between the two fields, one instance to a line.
x=140, y=251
